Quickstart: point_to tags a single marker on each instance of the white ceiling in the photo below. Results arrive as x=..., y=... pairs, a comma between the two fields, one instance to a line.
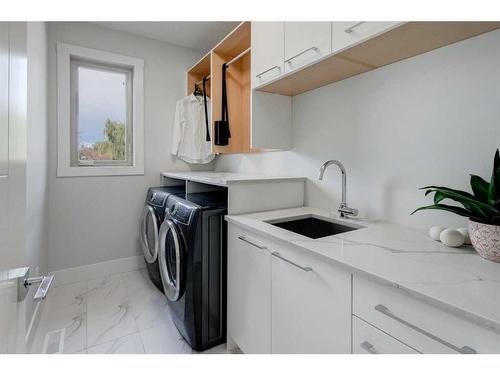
x=199, y=35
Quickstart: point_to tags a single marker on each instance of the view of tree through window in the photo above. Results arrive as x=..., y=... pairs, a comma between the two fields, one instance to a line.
x=102, y=114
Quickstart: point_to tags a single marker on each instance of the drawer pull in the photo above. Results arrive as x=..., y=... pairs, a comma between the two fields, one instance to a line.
x=305, y=269
x=244, y=239
x=463, y=350
x=368, y=347
x=314, y=48
x=267, y=71
x=349, y=30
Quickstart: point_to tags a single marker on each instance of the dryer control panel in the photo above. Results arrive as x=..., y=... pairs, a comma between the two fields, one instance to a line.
x=157, y=198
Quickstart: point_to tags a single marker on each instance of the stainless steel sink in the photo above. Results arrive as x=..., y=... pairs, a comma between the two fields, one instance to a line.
x=313, y=227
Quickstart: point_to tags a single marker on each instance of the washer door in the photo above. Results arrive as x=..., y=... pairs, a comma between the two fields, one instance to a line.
x=171, y=260
x=149, y=234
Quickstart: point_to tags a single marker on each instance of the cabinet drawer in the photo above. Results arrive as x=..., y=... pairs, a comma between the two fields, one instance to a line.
x=367, y=339
x=349, y=33
x=421, y=326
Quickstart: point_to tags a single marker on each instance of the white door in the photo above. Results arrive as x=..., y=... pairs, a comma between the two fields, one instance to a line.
x=267, y=51
x=311, y=305
x=13, y=101
x=306, y=42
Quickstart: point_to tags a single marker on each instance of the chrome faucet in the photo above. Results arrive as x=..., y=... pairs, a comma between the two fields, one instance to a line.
x=344, y=209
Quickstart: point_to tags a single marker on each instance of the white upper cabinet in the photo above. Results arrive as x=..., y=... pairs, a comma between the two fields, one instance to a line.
x=306, y=42
x=345, y=34
x=267, y=51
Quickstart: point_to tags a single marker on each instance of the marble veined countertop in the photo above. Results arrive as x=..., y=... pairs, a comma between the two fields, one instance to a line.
x=457, y=279
x=224, y=178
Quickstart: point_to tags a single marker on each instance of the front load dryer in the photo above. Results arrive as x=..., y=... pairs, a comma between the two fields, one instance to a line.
x=192, y=258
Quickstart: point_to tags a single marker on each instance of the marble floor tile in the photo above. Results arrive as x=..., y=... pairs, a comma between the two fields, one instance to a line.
x=136, y=280
x=123, y=313
x=66, y=300
x=150, y=308
x=104, y=294
x=64, y=308
x=108, y=324
x=219, y=349
x=164, y=339
x=109, y=315
x=131, y=344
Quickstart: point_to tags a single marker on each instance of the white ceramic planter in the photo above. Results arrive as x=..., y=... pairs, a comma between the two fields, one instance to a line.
x=486, y=240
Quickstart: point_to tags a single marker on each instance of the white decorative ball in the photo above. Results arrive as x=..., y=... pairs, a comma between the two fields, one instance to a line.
x=465, y=233
x=452, y=238
x=435, y=231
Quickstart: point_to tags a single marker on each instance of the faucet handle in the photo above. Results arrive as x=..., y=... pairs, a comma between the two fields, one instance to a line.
x=346, y=211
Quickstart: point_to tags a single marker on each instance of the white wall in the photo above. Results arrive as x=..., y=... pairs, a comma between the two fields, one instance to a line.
x=432, y=119
x=37, y=198
x=95, y=219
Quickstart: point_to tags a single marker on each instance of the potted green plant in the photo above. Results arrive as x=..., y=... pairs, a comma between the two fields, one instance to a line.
x=482, y=207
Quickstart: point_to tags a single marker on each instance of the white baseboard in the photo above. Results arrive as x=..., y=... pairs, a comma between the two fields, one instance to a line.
x=91, y=271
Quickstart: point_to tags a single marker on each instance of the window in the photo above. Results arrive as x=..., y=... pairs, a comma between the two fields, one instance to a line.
x=100, y=113
x=101, y=108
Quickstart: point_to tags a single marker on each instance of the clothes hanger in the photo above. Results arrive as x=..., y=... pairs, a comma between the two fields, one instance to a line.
x=197, y=91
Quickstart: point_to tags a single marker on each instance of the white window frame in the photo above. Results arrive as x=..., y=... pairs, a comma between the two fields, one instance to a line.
x=65, y=136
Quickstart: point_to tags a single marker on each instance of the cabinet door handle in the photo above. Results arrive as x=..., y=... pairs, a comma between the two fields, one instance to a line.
x=305, y=269
x=368, y=347
x=463, y=350
x=244, y=239
x=350, y=29
x=314, y=48
x=268, y=70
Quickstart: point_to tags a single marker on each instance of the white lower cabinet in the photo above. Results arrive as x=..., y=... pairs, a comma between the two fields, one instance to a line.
x=311, y=304
x=366, y=339
x=422, y=326
x=282, y=299
x=248, y=292
x=288, y=302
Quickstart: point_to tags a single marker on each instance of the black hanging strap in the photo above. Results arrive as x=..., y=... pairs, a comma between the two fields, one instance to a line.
x=225, y=110
x=222, y=133
x=206, y=108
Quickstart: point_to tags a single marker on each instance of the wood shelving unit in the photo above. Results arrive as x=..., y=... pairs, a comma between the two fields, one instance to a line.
x=238, y=86
x=407, y=40
x=197, y=72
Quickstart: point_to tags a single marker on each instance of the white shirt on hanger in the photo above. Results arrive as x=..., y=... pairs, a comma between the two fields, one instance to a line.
x=189, y=133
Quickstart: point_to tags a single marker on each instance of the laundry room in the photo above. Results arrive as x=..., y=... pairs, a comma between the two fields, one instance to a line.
x=175, y=181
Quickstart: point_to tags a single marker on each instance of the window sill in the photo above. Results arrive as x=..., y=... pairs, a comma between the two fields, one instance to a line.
x=99, y=171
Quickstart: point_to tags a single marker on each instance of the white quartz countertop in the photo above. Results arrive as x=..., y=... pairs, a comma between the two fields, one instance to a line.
x=457, y=279
x=225, y=178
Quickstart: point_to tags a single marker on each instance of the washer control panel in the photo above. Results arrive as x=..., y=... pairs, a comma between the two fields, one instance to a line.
x=180, y=212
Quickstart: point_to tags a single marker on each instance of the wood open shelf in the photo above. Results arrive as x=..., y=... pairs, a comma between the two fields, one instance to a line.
x=238, y=88
x=407, y=40
x=197, y=72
